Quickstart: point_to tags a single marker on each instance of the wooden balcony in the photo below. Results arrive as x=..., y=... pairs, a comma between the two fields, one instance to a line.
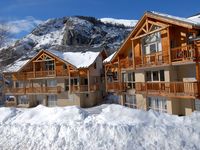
x=168, y=89
x=183, y=53
x=40, y=74
x=151, y=60
x=84, y=88
x=126, y=63
x=115, y=87
x=33, y=90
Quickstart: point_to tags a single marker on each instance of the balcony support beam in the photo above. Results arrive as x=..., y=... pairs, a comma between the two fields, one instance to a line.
x=133, y=55
x=169, y=46
x=154, y=31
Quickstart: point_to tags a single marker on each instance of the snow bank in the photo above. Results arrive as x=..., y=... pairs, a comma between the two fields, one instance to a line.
x=104, y=127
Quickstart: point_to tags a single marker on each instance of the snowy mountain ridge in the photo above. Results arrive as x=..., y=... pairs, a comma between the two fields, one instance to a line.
x=127, y=23
x=78, y=33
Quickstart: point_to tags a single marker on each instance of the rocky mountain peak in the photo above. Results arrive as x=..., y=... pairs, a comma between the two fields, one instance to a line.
x=75, y=33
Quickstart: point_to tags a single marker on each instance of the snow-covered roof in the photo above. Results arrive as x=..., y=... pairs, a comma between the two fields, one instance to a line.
x=195, y=18
x=16, y=66
x=127, y=23
x=108, y=59
x=186, y=20
x=77, y=59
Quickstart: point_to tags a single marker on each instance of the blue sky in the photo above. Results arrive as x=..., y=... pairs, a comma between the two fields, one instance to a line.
x=125, y=9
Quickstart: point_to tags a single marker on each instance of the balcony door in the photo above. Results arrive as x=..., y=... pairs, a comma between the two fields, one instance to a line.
x=52, y=100
x=49, y=67
x=151, y=43
x=155, y=76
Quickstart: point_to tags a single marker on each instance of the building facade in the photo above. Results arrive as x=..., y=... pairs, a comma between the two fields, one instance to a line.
x=54, y=78
x=157, y=67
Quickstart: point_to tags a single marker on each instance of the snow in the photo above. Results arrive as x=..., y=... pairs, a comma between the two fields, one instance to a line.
x=78, y=59
x=187, y=20
x=127, y=23
x=102, y=127
x=108, y=59
x=195, y=18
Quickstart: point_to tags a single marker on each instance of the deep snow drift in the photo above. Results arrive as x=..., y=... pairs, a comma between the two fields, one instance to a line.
x=104, y=127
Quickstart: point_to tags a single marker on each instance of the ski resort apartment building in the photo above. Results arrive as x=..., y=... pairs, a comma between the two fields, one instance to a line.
x=157, y=66
x=54, y=78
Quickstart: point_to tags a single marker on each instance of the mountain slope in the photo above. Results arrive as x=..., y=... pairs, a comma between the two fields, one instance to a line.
x=68, y=34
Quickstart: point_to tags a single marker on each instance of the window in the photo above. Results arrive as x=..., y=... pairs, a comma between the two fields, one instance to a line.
x=19, y=84
x=95, y=65
x=130, y=55
x=52, y=100
x=130, y=101
x=39, y=99
x=162, y=75
x=66, y=84
x=23, y=100
x=87, y=95
x=157, y=104
x=155, y=75
x=197, y=104
x=64, y=66
x=153, y=48
x=51, y=83
x=151, y=43
x=148, y=76
x=115, y=76
x=74, y=81
x=49, y=65
x=85, y=81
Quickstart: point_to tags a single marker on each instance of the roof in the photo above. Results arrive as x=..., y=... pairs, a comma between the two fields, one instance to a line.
x=16, y=66
x=108, y=59
x=77, y=59
x=191, y=20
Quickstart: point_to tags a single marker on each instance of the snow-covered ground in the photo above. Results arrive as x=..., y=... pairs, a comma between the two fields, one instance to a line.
x=103, y=127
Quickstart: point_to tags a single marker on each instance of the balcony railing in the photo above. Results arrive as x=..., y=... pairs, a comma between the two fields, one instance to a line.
x=115, y=86
x=33, y=90
x=173, y=89
x=151, y=60
x=126, y=63
x=40, y=74
x=84, y=88
x=183, y=53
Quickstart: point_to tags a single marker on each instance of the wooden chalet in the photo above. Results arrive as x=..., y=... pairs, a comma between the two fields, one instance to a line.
x=54, y=78
x=157, y=67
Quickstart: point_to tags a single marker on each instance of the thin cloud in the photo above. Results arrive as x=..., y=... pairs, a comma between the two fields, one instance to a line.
x=27, y=24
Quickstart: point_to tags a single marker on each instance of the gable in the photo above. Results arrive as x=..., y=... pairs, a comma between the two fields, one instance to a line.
x=43, y=56
x=149, y=24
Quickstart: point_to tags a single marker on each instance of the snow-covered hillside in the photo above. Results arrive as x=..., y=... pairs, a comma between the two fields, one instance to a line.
x=104, y=127
x=127, y=23
x=67, y=34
